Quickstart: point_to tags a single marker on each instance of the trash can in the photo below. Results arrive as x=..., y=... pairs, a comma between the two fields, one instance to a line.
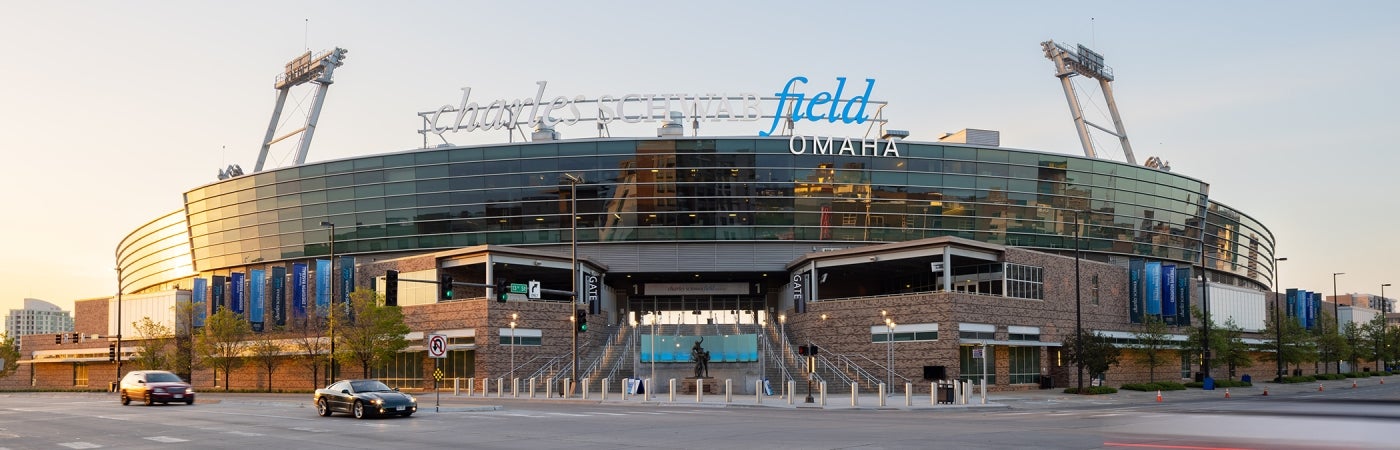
x=1200, y=377
x=1047, y=383
x=1247, y=379
x=945, y=393
x=111, y=386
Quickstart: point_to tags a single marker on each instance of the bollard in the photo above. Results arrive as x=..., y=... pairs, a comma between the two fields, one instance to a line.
x=585, y=389
x=966, y=391
x=855, y=394
x=456, y=386
x=647, y=386
x=671, y=390
x=604, y=390
x=532, y=387
x=500, y=387
x=933, y=393
x=983, y=391
x=908, y=395
x=957, y=394
x=880, y=390
x=564, y=386
x=515, y=387
x=822, y=388
x=548, y=389
x=471, y=386
x=792, y=390
x=485, y=387
x=699, y=389
x=758, y=392
x=728, y=390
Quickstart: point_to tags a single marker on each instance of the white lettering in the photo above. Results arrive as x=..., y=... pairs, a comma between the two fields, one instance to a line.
x=605, y=114
x=495, y=122
x=535, y=105
x=846, y=148
x=652, y=110
x=436, y=116
x=751, y=111
x=626, y=98
x=725, y=110
x=573, y=108
x=793, y=149
x=890, y=148
x=869, y=145
x=818, y=148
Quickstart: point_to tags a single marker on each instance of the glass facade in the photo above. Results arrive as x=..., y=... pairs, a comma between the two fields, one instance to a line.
x=715, y=189
x=157, y=252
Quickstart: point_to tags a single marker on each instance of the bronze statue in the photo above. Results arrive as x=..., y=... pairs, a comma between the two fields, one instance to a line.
x=701, y=358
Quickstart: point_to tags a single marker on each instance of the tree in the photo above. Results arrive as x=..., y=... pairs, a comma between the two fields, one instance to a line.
x=182, y=361
x=266, y=353
x=9, y=355
x=1374, y=337
x=374, y=333
x=1297, y=342
x=154, y=353
x=1152, y=345
x=1098, y=352
x=310, y=342
x=223, y=341
x=1351, y=332
x=1331, y=346
x=1232, y=350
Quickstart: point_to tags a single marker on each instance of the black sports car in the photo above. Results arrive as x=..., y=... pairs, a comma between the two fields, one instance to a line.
x=362, y=398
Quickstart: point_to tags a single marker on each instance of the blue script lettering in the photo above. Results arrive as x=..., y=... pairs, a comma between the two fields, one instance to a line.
x=790, y=98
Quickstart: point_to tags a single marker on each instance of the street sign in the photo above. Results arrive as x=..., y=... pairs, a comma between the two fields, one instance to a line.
x=437, y=374
x=936, y=267
x=977, y=352
x=518, y=288
x=534, y=290
x=437, y=346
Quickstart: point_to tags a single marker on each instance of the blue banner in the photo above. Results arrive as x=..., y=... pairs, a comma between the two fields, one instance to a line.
x=216, y=292
x=323, y=287
x=1135, y=268
x=1183, y=296
x=1152, y=273
x=1317, y=310
x=299, y=290
x=256, y=278
x=347, y=281
x=235, y=292
x=278, y=299
x=1169, y=293
x=1290, y=301
x=1305, y=301
x=199, y=301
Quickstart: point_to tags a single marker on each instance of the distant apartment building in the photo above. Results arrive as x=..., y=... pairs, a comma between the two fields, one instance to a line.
x=37, y=317
x=1376, y=302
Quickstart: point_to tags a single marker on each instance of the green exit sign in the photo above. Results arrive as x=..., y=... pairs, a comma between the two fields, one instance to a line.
x=518, y=288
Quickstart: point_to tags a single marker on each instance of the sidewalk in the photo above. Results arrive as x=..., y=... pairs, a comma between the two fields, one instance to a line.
x=1033, y=399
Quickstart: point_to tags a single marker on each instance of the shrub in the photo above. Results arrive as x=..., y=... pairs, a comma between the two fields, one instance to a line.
x=1093, y=390
x=1299, y=379
x=1157, y=386
x=1329, y=376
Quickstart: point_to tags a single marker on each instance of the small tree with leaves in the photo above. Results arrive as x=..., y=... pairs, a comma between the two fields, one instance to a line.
x=155, y=351
x=223, y=341
x=309, y=338
x=1233, y=352
x=9, y=355
x=265, y=352
x=1372, y=340
x=1297, y=342
x=1098, y=354
x=1331, y=345
x=1152, y=345
x=374, y=334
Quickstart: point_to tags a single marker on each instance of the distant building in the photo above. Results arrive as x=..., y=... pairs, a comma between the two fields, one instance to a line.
x=1371, y=301
x=37, y=317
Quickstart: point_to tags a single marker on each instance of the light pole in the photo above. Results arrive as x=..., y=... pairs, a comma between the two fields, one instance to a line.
x=573, y=267
x=1337, y=311
x=1278, y=322
x=513, y=316
x=331, y=313
x=782, y=333
x=119, y=319
x=1078, y=315
x=1380, y=364
x=889, y=353
x=651, y=378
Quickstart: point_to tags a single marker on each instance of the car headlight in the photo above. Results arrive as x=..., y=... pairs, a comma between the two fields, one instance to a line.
x=376, y=401
x=159, y=390
x=189, y=390
x=411, y=399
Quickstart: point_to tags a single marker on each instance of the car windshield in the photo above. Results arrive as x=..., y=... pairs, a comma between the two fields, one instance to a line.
x=368, y=386
x=161, y=377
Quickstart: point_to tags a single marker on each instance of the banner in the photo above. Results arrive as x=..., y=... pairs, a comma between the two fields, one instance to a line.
x=799, y=301
x=1169, y=294
x=235, y=292
x=256, y=278
x=1152, y=273
x=299, y=290
x=216, y=289
x=1183, y=296
x=323, y=287
x=1305, y=302
x=1135, y=268
x=347, y=281
x=199, y=301
x=1317, y=310
x=278, y=299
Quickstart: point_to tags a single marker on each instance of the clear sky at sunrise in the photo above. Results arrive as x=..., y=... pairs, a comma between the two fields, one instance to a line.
x=110, y=111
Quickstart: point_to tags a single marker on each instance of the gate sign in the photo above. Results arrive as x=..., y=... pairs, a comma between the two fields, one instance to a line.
x=437, y=346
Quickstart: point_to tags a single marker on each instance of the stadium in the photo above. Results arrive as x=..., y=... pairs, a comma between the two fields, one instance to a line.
x=902, y=261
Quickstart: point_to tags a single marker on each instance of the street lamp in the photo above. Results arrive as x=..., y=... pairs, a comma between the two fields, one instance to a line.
x=889, y=353
x=513, y=316
x=1337, y=311
x=1278, y=322
x=1078, y=314
x=573, y=181
x=782, y=333
x=119, y=319
x=331, y=313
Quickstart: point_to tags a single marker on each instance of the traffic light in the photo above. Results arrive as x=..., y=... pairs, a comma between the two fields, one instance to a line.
x=444, y=287
x=58, y=339
x=813, y=350
x=802, y=350
x=502, y=290
x=391, y=288
x=111, y=352
x=581, y=320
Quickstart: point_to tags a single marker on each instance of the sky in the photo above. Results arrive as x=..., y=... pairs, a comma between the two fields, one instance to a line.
x=110, y=111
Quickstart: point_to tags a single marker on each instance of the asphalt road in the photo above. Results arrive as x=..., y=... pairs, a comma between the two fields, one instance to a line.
x=1359, y=418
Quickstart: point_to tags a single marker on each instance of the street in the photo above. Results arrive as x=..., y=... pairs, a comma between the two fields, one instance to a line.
x=1339, y=418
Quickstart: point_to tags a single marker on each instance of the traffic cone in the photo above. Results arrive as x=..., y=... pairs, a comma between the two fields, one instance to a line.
x=1159, y=396
x=1266, y=391
x=1227, y=392
x=1353, y=384
x=1319, y=387
x=1382, y=380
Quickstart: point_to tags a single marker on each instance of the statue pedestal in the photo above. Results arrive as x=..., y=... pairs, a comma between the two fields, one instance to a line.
x=710, y=385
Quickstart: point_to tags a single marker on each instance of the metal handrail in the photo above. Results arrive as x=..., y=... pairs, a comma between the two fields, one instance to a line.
x=859, y=371
x=887, y=369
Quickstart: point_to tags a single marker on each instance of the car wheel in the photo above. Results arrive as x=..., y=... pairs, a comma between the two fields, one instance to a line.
x=359, y=409
x=125, y=400
x=322, y=408
x=149, y=401
x=189, y=401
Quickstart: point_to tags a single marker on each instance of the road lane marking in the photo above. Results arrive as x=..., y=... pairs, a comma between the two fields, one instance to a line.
x=244, y=433
x=606, y=413
x=310, y=430
x=80, y=445
x=166, y=439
